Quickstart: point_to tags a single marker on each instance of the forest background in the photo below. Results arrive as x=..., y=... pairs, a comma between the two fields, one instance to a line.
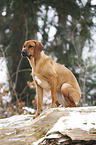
x=66, y=28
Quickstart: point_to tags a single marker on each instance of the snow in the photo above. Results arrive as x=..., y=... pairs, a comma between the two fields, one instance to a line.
x=38, y=142
x=76, y=119
x=71, y=119
x=6, y=99
x=4, y=84
x=3, y=71
x=83, y=118
x=30, y=110
x=16, y=121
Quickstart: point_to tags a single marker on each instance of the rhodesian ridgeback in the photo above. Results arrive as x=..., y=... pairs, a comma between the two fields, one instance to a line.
x=50, y=75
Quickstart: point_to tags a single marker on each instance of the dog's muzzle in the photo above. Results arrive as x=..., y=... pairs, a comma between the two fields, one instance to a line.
x=25, y=54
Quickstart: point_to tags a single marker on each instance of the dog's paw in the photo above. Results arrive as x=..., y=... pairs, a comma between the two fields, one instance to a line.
x=52, y=105
x=36, y=115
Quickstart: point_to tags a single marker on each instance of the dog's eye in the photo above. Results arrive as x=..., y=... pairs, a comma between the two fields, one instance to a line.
x=30, y=46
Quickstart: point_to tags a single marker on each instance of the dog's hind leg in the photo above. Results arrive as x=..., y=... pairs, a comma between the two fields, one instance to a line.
x=71, y=95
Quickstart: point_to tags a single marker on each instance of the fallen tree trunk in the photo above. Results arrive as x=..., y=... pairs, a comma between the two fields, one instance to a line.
x=58, y=125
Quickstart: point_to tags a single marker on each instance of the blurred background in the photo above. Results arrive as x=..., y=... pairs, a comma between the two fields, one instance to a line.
x=66, y=28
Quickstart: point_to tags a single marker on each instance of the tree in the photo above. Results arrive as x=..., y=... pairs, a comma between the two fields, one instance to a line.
x=71, y=21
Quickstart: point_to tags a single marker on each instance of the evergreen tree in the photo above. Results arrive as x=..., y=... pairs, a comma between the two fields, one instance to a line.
x=31, y=19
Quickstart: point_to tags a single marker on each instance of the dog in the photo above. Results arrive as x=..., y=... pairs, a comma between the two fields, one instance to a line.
x=50, y=75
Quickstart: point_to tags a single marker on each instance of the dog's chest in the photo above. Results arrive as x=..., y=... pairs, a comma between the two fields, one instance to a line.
x=41, y=81
x=37, y=80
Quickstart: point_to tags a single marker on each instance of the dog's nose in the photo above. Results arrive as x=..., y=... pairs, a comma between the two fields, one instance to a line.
x=24, y=53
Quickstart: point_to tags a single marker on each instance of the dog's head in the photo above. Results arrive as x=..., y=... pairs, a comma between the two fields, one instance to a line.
x=31, y=48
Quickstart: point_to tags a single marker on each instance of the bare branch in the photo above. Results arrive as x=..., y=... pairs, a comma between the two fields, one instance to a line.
x=22, y=70
x=17, y=73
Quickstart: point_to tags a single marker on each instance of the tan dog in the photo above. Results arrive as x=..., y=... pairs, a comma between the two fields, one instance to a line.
x=50, y=75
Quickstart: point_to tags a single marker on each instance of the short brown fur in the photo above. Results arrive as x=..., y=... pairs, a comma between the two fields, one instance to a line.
x=53, y=76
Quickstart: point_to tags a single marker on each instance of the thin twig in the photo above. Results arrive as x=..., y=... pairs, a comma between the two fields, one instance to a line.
x=14, y=91
x=22, y=70
x=17, y=72
x=3, y=53
x=23, y=91
x=26, y=26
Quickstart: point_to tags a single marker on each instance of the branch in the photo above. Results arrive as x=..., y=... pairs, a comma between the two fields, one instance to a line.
x=17, y=73
x=22, y=70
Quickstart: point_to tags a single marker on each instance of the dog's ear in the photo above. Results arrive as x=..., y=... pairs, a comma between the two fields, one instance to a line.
x=38, y=47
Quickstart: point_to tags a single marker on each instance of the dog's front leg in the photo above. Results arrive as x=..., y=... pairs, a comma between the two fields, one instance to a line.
x=53, y=85
x=39, y=94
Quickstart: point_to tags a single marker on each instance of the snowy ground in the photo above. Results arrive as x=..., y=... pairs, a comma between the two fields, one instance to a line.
x=4, y=83
x=77, y=123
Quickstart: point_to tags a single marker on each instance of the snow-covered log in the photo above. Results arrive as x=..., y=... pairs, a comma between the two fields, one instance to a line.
x=60, y=125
